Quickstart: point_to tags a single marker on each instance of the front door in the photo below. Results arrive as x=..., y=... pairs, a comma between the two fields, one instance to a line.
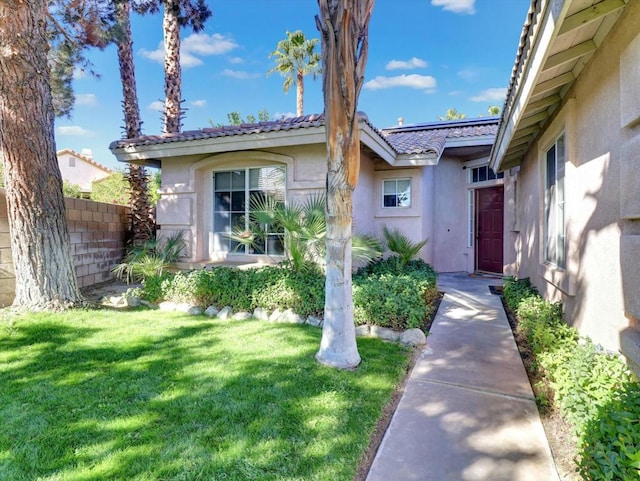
x=489, y=229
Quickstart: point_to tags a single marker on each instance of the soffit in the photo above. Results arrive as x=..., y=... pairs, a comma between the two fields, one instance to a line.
x=558, y=40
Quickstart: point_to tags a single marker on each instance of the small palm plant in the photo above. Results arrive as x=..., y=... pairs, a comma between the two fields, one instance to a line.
x=404, y=248
x=303, y=231
x=151, y=258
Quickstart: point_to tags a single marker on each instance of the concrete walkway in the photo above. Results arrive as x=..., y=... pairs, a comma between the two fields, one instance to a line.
x=468, y=412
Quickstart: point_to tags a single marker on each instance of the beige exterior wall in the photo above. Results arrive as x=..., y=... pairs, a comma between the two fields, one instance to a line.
x=80, y=172
x=602, y=211
x=97, y=233
x=438, y=210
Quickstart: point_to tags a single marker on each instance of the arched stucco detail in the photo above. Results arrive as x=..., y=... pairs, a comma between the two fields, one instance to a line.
x=200, y=175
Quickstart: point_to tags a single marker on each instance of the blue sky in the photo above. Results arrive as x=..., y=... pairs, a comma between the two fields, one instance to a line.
x=425, y=56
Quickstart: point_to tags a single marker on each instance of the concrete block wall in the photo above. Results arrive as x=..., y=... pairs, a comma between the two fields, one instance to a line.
x=97, y=232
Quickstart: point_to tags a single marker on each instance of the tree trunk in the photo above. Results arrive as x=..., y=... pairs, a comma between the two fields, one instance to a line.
x=172, y=74
x=343, y=25
x=44, y=271
x=300, y=93
x=141, y=221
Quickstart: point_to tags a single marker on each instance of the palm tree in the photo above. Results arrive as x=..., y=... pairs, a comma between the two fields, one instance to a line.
x=296, y=57
x=177, y=14
x=344, y=27
x=453, y=114
x=142, y=225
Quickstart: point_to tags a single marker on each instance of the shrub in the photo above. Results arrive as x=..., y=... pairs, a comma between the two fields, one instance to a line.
x=594, y=391
x=268, y=287
x=390, y=294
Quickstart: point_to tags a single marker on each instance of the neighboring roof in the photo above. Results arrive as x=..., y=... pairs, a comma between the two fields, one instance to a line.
x=418, y=138
x=417, y=144
x=83, y=157
x=558, y=39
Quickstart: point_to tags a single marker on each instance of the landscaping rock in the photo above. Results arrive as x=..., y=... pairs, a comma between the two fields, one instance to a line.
x=260, y=314
x=241, y=316
x=211, y=311
x=194, y=311
x=291, y=317
x=117, y=301
x=183, y=307
x=413, y=337
x=225, y=313
x=314, y=321
x=133, y=301
x=275, y=316
x=363, y=331
x=384, y=333
x=147, y=304
x=167, y=306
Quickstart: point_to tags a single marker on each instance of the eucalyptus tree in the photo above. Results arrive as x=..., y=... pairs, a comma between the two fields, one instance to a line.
x=295, y=57
x=177, y=14
x=344, y=26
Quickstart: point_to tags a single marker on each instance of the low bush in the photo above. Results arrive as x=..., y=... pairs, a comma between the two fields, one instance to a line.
x=390, y=293
x=268, y=287
x=385, y=293
x=594, y=390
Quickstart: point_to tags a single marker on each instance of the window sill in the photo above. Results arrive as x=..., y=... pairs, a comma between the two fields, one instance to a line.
x=558, y=277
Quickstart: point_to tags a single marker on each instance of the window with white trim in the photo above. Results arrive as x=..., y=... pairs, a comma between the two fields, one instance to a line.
x=235, y=194
x=482, y=174
x=396, y=193
x=554, y=222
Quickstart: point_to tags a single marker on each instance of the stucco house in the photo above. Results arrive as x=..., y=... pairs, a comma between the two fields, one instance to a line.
x=569, y=145
x=429, y=180
x=80, y=168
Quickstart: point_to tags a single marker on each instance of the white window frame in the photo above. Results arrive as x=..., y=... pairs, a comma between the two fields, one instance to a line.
x=554, y=222
x=397, y=206
x=247, y=190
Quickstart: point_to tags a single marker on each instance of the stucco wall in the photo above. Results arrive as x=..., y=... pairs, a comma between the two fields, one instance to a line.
x=97, y=233
x=81, y=173
x=602, y=155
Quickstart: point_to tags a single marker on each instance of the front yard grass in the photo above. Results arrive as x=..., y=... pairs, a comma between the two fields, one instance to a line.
x=149, y=395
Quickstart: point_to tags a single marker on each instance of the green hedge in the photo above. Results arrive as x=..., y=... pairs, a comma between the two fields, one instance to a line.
x=384, y=293
x=594, y=390
x=388, y=294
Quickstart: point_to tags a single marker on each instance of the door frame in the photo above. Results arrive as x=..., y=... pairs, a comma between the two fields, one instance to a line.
x=476, y=223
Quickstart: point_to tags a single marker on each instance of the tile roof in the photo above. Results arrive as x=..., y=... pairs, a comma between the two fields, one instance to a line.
x=409, y=139
x=421, y=138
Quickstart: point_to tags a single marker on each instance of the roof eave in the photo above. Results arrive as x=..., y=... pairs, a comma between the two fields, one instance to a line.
x=372, y=139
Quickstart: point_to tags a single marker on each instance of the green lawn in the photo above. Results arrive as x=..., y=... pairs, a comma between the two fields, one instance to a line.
x=148, y=395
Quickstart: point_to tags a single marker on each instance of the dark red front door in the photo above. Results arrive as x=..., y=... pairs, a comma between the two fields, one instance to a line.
x=489, y=229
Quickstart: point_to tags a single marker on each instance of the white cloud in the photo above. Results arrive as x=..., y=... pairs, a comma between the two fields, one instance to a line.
x=456, y=6
x=193, y=47
x=87, y=100
x=410, y=64
x=490, y=95
x=73, y=131
x=469, y=74
x=414, y=81
x=236, y=60
x=198, y=103
x=240, y=74
x=158, y=106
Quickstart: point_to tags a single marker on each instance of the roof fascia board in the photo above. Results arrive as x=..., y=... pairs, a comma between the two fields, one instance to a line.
x=231, y=143
x=375, y=142
x=469, y=141
x=545, y=32
x=417, y=160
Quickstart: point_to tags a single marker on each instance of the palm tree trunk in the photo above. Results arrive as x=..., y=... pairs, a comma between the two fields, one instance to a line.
x=344, y=25
x=300, y=93
x=41, y=251
x=141, y=220
x=172, y=74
